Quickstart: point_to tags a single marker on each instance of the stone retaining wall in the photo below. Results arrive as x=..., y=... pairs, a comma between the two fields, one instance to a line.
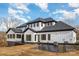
x=58, y=48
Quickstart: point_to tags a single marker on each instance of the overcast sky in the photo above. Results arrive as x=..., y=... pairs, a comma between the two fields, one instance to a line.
x=66, y=12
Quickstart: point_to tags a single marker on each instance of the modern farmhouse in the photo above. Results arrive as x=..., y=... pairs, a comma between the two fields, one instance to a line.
x=42, y=31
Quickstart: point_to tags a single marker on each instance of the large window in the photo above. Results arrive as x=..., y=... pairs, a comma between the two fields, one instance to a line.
x=18, y=35
x=49, y=36
x=28, y=37
x=43, y=36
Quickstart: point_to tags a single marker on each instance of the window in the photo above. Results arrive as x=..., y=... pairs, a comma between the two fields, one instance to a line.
x=13, y=35
x=48, y=36
x=51, y=23
x=41, y=24
x=34, y=24
x=8, y=36
x=35, y=37
x=37, y=24
x=38, y=38
x=18, y=35
x=31, y=25
x=48, y=24
x=28, y=37
x=43, y=37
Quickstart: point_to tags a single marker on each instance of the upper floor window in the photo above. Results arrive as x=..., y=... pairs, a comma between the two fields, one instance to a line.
x=37, y=24
x=31, y=25
x=34, y=24
x=41, y=24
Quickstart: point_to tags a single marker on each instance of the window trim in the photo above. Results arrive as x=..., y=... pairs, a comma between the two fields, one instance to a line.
x=43, y=36
x=27, y=36
x=49, y=36
x=35, y=37
x=37, y=24
x=17, y=36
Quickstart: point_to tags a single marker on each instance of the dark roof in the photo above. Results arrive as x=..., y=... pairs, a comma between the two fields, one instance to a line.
x=16, y=30
x=59, y=26
x=38, y=20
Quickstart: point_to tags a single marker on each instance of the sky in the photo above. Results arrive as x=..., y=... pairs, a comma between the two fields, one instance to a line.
x=66, y=12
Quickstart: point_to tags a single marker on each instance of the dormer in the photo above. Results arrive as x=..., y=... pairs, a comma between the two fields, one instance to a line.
x=39, y=23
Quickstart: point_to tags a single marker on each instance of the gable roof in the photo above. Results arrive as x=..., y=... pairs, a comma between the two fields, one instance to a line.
x=38, y=20
x=16, y=30
x=59, y=26
x=29, y=29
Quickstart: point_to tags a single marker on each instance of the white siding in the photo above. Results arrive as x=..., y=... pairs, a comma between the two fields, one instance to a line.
x=32, y=35
x=60, y=37
x=12, y=39
x=38, y=27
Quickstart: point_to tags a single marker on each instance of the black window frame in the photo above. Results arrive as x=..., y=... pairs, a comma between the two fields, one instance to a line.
x=18, y=35
x=37, y=24
x=13, y=36
x=35, y=37
x=28, y=36
x=41, y=23
x=43, y=36
x=8, y=36
x=49, y=36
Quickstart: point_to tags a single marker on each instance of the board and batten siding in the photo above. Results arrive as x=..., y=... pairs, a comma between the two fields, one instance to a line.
x=13, y=39
x=59, y=37
x=29, y=32
x=37, y=28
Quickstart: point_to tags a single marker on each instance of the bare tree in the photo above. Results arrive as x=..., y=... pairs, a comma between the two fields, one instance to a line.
x=9, y=22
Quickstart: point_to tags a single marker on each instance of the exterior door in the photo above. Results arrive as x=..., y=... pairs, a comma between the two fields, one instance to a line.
x=38, y=38
x=22, y=38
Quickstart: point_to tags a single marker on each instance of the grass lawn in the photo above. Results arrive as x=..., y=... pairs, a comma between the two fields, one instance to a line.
x=28, y=50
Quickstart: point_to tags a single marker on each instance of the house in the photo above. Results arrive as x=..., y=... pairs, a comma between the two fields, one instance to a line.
x=42, y=30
